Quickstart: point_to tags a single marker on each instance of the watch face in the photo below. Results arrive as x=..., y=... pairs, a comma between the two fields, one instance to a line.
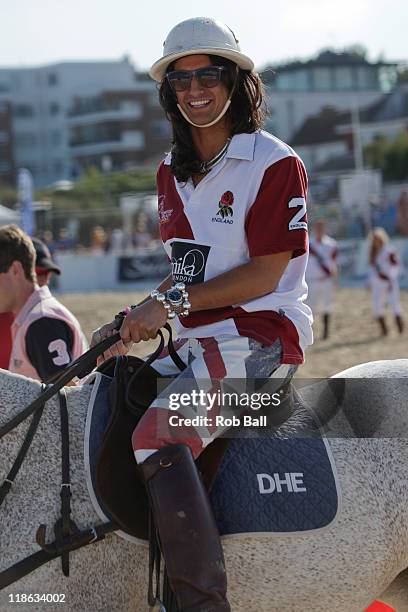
x=174, y=295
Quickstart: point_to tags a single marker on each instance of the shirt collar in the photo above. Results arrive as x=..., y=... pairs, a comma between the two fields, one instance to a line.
x=39, y=294
x=242, y=146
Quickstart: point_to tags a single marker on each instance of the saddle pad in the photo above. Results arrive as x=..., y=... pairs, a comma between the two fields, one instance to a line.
x=98, y=416
x=263, y=484
x=275, y=485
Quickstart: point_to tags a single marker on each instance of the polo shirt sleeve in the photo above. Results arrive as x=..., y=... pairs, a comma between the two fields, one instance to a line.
x=277, y=222
x=49, y=344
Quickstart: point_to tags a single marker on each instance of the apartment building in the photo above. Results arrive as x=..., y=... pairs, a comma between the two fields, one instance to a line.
x=46, y=117
x=118, y=130
x=7, y=169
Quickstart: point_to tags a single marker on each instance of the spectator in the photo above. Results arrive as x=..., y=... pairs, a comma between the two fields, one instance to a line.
x=64, y=242
x=45, y=335
x=402, y=213
x=114, y=241
x=142, y=237
x=98, y=240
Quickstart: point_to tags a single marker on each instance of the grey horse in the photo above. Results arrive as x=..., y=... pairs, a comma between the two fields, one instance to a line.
x=342, y=568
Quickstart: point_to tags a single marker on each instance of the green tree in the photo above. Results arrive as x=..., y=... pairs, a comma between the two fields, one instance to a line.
x=389, y=156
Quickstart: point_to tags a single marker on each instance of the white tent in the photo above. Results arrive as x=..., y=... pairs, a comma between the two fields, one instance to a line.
x=7, y=215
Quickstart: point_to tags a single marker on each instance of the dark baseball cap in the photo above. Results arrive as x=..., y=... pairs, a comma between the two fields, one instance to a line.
x=43, y=257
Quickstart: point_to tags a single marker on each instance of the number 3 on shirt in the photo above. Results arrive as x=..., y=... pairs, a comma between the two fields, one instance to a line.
x=295, y=223
x=59, y=347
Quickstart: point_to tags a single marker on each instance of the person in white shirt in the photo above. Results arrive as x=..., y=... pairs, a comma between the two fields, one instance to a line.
x=321, y=274
x=384, y=269
x=232, y=217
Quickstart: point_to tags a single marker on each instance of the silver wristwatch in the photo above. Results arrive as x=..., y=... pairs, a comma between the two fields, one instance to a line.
x=174, y=300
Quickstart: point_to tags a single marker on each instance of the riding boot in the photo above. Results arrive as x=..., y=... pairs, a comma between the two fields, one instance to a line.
x=326, y=321
x=383, y=326
x=188, y=535
x=400, y=323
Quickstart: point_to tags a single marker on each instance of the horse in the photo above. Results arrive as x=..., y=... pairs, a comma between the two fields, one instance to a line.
x=343, y=567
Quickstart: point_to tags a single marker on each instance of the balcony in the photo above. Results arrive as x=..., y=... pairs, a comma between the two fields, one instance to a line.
x=126, y=111
x=128, y=141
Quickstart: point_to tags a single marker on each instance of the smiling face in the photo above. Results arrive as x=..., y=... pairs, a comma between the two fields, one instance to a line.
x=202, y=105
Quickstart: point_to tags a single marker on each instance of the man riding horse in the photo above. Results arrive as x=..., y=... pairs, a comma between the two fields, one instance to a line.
x=232, y=216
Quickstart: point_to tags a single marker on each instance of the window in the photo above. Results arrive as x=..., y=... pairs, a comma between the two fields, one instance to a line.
x=4, y=137
x=344, y=79
x=54, y=108
x=300, y=80
x=160, y=129
x=4, y=87
x=58, y=166
x=284, y=81
x=23, y=110
x=52, y=79
x=321, y=78
x=25, y=139
x=55, y=137
x=4, y=166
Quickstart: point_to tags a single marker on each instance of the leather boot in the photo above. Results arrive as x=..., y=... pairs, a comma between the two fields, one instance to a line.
x=400, y=323
x=326, y=321
x=383, y=326
x=188, y=534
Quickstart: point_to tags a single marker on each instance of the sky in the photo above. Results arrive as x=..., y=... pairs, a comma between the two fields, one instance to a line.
x=36, y=32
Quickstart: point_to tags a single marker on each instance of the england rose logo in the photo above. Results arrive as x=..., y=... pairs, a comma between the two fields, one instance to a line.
x=225, y=203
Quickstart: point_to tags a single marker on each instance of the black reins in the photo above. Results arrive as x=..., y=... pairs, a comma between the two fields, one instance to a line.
x=68, y=536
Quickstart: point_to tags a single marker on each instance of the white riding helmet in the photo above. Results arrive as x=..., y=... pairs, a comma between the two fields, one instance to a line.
x=200, y=35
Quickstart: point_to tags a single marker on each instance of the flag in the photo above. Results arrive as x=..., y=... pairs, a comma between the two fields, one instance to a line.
x=25, y=188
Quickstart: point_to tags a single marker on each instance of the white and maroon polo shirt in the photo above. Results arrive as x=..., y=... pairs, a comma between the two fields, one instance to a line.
x=46, y=337
x=252, y=203
x=322, y=258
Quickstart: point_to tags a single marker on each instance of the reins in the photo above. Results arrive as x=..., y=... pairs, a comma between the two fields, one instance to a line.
x=68, y=536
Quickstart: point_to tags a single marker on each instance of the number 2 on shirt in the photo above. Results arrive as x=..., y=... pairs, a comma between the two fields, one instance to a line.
x=295, y=223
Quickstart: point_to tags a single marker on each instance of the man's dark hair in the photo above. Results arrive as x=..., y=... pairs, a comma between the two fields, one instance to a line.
x=246, y=114
x=16, y=245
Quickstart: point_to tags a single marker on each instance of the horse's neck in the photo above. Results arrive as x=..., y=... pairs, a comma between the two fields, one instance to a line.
x=16, y=393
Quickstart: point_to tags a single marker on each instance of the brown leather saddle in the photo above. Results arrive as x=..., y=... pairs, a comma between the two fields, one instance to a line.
x=118, y=485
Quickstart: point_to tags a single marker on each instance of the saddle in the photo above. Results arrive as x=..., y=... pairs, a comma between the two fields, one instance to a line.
x=229, y=466
x=118, y=485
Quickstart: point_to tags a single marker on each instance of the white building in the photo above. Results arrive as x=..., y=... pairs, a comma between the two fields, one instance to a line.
x=301, y=89
x=41, y=98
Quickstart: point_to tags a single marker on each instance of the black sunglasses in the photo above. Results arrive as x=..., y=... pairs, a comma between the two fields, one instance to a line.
x=180, y=80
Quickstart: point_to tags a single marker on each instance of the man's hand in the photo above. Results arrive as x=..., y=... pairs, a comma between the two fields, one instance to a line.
x=143, y=322
x=116, y=349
